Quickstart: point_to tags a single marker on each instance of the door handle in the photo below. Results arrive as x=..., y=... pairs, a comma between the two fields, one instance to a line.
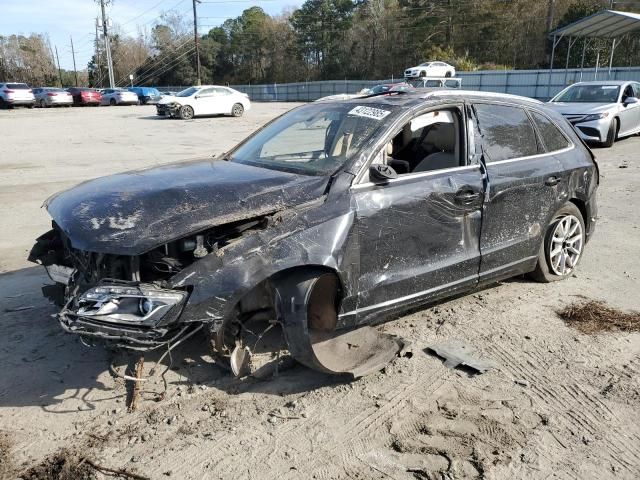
x=552, y=181
x=466, y=197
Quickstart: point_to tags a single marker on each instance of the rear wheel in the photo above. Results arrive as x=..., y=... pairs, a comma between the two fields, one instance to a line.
x=448, y=74
x=562, y=246
x=612, y=133
x=237, y=110
x=112, y=102
x=42, y=103
x=3, y=104
x=186, y=112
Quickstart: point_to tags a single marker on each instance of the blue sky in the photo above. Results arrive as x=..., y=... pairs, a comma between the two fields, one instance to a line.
x=61, y=19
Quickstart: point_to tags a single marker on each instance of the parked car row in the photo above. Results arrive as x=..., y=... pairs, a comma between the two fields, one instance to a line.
x=20, y=94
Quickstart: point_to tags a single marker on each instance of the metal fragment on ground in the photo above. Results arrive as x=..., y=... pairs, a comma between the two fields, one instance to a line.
x=456, y=354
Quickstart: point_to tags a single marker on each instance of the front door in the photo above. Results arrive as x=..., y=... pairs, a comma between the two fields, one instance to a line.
x=629, y=113
x=419, y=233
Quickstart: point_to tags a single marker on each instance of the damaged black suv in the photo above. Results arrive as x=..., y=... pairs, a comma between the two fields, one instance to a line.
x=333, y=216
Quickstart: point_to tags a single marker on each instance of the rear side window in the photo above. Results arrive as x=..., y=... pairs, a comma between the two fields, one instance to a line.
x=506, y=131
x=552, y=137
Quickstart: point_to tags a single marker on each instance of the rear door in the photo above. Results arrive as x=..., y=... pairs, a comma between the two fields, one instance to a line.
x=525, y=188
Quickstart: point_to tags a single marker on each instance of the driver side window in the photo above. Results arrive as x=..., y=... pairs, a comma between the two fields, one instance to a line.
x=430, y=141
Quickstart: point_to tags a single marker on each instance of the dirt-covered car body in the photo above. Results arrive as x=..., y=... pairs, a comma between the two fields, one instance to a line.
x=142, y=258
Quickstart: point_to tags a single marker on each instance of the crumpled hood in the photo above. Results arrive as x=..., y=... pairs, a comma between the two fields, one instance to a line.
x=133, y=212
x=578, y=108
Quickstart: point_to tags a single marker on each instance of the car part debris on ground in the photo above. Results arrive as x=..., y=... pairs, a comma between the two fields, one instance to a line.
x=458, y=354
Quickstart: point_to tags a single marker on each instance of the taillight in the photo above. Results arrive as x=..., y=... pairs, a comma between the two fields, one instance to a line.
x=51, y=94
x=8, y=91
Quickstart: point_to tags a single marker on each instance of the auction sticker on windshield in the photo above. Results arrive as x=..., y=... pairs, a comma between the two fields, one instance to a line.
x=369, y=112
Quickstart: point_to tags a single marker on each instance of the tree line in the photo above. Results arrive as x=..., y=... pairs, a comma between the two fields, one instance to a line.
x=333, y=39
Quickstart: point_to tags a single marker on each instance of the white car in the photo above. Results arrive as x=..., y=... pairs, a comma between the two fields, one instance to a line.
x=204, y=100
x=118, y=96
x=14, y=94
x=601, y=111
x=431, y=69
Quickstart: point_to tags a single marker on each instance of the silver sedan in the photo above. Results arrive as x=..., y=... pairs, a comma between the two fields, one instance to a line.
x=51, y=97
x=602, y=111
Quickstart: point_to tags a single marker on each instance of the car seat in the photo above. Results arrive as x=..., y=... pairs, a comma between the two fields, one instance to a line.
x=443, y=138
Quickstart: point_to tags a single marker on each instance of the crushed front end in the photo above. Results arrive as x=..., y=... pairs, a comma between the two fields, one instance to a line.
x=123, y=300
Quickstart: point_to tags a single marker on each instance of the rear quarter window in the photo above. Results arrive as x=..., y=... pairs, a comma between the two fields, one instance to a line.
x=506, y=132
x=552, y=138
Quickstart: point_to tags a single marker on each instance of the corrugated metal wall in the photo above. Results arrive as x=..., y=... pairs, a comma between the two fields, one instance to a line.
x=528, y=83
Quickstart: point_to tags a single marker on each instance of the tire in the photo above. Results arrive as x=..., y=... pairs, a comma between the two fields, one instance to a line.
x=612, y=133
x=42, y=103
x=567, y=232
x=112, y=102
x=186, y=112
x=237, y=110
x=423, y=74
x=3, y=104
x=31, y=105
x=448, y=75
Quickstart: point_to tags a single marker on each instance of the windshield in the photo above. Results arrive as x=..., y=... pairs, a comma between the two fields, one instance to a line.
x=315, y=139
x=590, y=94
x=187, y=93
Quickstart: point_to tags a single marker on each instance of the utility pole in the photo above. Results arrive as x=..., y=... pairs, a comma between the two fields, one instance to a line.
x=107, y=45
x=98, y=55
x=73, y=54
x=59, y=69
x=197, y=40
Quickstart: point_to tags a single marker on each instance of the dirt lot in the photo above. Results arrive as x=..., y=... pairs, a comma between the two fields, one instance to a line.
x=560, y=404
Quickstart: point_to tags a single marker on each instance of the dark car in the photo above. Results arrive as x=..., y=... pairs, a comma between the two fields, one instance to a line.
x=334, y=215
x=85, y=96
x=147, y=95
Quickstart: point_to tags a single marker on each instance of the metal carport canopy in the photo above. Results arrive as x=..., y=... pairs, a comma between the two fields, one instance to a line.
x=604, y=24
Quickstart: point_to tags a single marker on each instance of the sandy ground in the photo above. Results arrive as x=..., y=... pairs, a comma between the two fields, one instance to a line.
x=560, y=404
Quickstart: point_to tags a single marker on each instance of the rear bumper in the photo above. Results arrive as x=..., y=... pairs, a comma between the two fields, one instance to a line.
x=12, y=101
x=89, y=101
x=59, y=101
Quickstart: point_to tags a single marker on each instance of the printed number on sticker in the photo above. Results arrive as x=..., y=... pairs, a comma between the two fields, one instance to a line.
x=369, y=112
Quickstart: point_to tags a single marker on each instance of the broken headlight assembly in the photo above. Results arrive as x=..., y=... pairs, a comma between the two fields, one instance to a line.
x=128, y=304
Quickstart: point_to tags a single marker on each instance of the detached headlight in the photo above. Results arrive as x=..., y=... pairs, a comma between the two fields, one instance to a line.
x=595, y=116
x=143, y=304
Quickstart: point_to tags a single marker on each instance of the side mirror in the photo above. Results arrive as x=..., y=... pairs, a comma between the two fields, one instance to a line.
x=381, y=173
x=196, y=97
x=631, y=101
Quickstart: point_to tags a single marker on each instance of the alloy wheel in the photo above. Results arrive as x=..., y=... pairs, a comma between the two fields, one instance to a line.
x=566, y=245
x=238, y=110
